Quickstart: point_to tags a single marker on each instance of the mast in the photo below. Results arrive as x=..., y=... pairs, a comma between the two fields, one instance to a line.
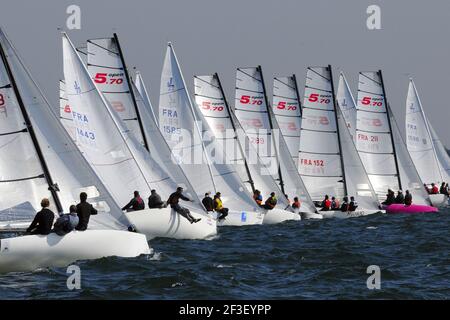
x=234, y=128
x=390, y=130
x=337, y=130
x=297, y=94
x=138, y=115
x=271, y=128
x=52, y=187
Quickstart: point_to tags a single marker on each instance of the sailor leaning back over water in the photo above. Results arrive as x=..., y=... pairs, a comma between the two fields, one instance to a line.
x=173, y=200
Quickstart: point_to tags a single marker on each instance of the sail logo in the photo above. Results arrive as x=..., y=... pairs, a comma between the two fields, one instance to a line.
x=244, y=216
x=67, y=109
x=77, y=87
x=170, y=84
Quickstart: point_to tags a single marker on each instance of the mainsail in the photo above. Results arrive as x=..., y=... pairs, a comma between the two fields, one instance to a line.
x=50, y=145
x=346, y=103
x=142, y=89
x=288, y=112
x=258, y=121
x=183, y=130
x=420, y=142
x=65, y=112
x=380, y=144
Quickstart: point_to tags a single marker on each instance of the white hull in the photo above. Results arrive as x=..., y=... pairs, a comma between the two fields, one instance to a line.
x=348, y=214
x=14, y=226
x=439, y=200
x=239, y=218
x=28, y=253
x=278, y=215
x=167, y=223
x=311, y=215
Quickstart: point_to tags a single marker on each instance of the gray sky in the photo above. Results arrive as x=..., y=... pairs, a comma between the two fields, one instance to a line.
x=284, y=36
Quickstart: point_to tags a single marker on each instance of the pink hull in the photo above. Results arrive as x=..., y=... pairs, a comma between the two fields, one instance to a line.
x=414, y=208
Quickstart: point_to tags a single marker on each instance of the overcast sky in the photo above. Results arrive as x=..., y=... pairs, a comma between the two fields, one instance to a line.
x=284, y=36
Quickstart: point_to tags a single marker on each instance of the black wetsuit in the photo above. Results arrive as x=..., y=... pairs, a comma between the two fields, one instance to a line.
x=353, y=205
x=408, y=199
x=173, y=200
x=208, y=203
x=389, y=200
x=400, y=199
x=42, y=222
x=154, y=201
x=84, y=211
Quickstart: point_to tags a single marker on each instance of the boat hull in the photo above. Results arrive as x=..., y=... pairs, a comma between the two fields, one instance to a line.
x=28, y=253
x=239, y=218
x=411, y=209
x=348, y=214
x=278, y=215
x=439, y=200
x=166, y=223
x=311, y=216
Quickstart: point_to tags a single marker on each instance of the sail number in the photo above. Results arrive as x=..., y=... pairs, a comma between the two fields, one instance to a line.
x=312, y=162
x=367, y=138
x=375, y=102
x=323, y=99
x=282, y=105
x=103, y=78
x=251, y=100
x=206, y=105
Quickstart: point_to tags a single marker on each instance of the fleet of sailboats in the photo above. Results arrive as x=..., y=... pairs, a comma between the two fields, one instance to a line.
x=108, y=140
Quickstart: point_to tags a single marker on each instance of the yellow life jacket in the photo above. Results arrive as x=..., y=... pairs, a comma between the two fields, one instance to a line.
x=219, y=204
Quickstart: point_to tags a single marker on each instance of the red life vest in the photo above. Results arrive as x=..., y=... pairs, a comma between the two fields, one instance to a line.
x=328, y=204
x=435, y=190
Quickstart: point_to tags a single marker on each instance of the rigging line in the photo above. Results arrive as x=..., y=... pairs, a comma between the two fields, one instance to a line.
x=216, y=117
x=320, y=75
x=239, y=69
x=14, y=132
x=209, y=83
x=41, y=176
x=375, y=132
x=287, y=85
x=253, y=111
x=107, y=67
x=316, y=176
x=286, y=115
x=278, y=96
x=366, y=76
x=76, y=94
x=320, y=153
x=381, y=153
x=169, y=92
x=248, y=90
x=314, y=88
x=106, y=49
x=203, y=96
x=318, y=109
x=375, y=94
x=383, y=174
x=7, y=86
x=369, y=111
x=321, y=131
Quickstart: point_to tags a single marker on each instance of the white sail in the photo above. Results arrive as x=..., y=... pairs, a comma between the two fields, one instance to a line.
x=319, y=155
x=346, y=103
x=287, y=109
x=108, y=72
x=67, y=166
x=230, y=137
x=65, y=112
x=179, y=122
x=142, y=89
x=259, y=123
x=419, y=140
x=441, y=152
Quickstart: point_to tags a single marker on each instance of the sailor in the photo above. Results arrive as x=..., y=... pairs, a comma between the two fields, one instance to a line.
x=258, y=197
x=408, y=198
x=400, y=199
x=296, y=204
x=428, y=190
x=443, y=189
x=218, y=207
x=208, y=202
x=287, y=197
x=345, y=205
x=43, y=220
x=67, y=222
x=334, y=204
x=271, y=202
x=353, y=204
x=173, y=200
x=390, y=198
x=135, y=204
x=84, y=212
x=326, y=204
x=434, y=189
x=154, y=201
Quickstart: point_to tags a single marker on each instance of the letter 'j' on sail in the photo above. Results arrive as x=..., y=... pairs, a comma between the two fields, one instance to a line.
x=346, y=103
x=431, y=165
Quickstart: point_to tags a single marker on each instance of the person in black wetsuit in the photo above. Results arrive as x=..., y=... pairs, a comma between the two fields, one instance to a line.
x=408, y=198
x=84, y=212
x=155, y=202
x=43, y=221
x=353, y=204
x=136, y=203
x=208, y=202
x=173, y=200
x=400, y=199
x=390, y=198
x=345, y=205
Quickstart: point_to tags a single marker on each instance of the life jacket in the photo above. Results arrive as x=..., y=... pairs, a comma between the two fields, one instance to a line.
x=296, y=204
x=258, y=199
x=62, y=225
x=218, y=204
x=140, y=203
x=327, y=204
x=335, y=204
x=272, y=201
x=435, y=190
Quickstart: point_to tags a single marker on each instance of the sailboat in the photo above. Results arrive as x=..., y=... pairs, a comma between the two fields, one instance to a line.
x=211, y=102
x=121, y=160
x=38, y=160
x=347, y=104
x=380, y=145
x=256, y=117
x=181, y=126
x=328, y=160
x=287, y=109
x=142, y=92
x=423, y=145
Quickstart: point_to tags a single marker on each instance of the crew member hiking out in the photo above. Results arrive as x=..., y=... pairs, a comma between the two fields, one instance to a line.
x=155, y=202
x=208, y=202
x=173, y=200
x=258, y=197
x=43, y=221
x=84, y=212
x=135, y=204
x=271, y=202
x=218, y=207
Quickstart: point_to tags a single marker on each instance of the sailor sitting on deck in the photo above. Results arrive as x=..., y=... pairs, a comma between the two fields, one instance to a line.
x=258, y=197
x=434, y=189
x=390, y=198
x=334, y=204
x=271, y=202
x=326, y=204
x=444, y=189
x=218, y=206
x=84, y=212
x=173, y=200
x=43, y=221
x=297, y=204
x=135, y=204
x=345, y=205
x=400, y=199
x=155, y=202
x=353, y=204
x=208, y=202
x=66, y=222
x=408, y=198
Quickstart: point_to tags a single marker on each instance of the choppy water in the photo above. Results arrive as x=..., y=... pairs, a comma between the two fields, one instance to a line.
x=294, y=260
